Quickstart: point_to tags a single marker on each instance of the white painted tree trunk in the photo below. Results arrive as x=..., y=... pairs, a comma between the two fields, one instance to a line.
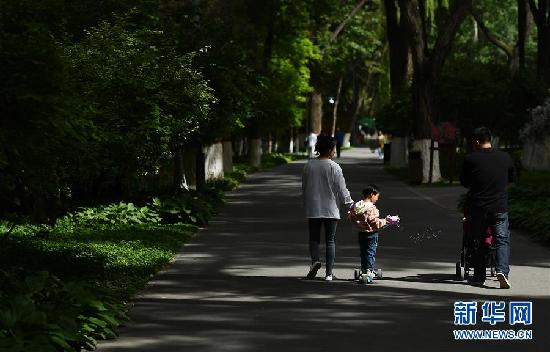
x=213, y=163
x=291, y=141
x=255, y=151
x=423, y=145
x=240, y=147
x=297, y=144
x=536, y=155
x=399, y=152
x=190, y=166
x=227, y=157
x=347, y=143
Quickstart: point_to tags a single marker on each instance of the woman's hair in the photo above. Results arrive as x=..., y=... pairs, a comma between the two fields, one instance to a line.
x=325, y=144
x=370, y=190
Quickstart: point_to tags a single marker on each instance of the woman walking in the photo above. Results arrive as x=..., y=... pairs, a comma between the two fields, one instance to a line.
x=323, y=191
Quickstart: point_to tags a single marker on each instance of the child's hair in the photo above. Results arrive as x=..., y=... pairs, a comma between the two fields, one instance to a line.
x=324, y=144
x=370, y=190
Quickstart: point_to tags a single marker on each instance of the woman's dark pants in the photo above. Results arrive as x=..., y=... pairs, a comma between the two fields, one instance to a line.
x=315, y=239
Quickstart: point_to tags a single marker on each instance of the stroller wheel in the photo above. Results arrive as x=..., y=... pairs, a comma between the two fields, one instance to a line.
x=459, y=271
x=356, y=274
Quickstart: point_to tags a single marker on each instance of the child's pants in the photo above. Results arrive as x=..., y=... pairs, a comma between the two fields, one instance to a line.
x=368, y=242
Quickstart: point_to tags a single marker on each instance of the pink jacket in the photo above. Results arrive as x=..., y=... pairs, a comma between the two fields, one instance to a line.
x=365, y=217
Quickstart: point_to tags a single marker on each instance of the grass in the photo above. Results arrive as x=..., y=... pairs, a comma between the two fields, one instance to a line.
x=118, y=260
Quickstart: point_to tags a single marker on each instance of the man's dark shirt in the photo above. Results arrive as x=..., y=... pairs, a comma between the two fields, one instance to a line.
x=487, y=173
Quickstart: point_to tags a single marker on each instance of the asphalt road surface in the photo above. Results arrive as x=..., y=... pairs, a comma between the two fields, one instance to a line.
x=239, y=284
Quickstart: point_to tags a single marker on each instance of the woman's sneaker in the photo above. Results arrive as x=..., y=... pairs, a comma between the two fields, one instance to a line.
x=313, y=270
x=329, y=278
x=504, y=283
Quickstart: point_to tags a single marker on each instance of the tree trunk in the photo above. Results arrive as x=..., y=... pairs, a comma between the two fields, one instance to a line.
x=524, y=28
x=423, y=100
x=543, y=52
x=179, y=183
x=357, y=103
x=399, y=152
x=423, y=145
x=427, y=66
x=316, y=112
x=200, y=179
x=540, y=15
x=214, y=161
x=255, y=151
x=335, y=108
x=227, y=157
x=269, y=144
x=291, y=141
x=398, y=45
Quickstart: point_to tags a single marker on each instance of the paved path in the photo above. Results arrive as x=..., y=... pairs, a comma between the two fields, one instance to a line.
x=238, y=285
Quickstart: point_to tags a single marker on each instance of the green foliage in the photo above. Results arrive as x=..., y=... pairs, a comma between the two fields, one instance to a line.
x=500, y=17
x=530, y=204
x=475, y=94
x=112, y=215
x=38, y=312
x=188, y=208
x=37, y=124
x=274, y=159
x=288, y=82
x=395, y=117
x=141, y=95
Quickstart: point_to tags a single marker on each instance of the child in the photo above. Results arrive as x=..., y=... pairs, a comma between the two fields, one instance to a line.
x=366, y=218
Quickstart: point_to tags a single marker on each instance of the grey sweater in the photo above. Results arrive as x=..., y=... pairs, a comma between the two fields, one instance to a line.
x=324, y=189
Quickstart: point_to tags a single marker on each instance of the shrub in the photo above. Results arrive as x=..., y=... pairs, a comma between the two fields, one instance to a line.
x=116, y=214
x=529, y=207
x=38, y=312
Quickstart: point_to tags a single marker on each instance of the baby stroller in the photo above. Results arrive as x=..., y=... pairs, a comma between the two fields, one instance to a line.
x=469, y=243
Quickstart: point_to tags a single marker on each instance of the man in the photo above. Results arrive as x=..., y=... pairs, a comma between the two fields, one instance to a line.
x=487, y=172
x=339, y=135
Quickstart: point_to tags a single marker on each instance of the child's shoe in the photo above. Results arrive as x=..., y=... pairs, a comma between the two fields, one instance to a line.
x=367, y=277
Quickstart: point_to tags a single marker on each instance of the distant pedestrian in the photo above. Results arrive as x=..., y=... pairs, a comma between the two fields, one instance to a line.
x=310, y=142
x=339, y=135
x=487, y=172
x=323, y=191
x=381, y=142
